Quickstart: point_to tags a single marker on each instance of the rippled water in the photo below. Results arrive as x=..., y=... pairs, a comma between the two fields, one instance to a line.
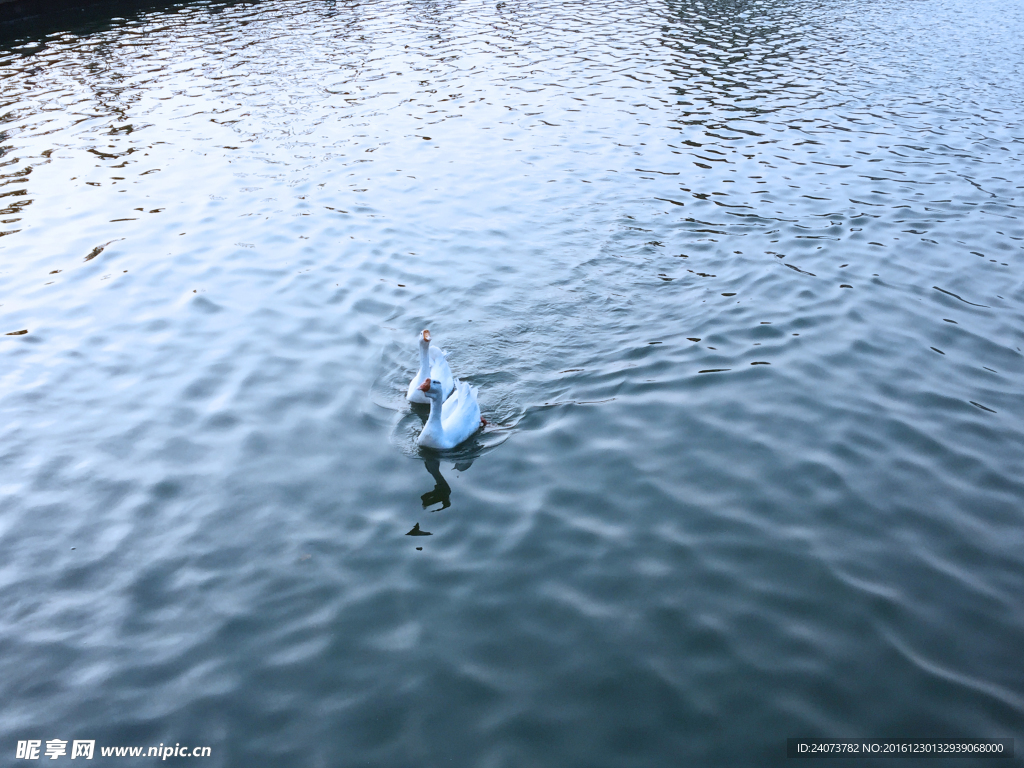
x=740, y=284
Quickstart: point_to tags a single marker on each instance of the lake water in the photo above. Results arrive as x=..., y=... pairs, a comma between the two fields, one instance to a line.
x=741, y=285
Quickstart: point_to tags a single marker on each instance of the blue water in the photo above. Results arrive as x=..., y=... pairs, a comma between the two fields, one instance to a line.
x=739, y=283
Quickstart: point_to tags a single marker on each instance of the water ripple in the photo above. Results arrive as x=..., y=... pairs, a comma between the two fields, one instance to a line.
x=739, y=284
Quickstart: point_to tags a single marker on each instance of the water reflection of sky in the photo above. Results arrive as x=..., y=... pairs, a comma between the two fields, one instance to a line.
x=739, y=285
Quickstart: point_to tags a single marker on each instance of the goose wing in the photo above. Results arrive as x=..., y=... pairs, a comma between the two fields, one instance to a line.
x=461, y=415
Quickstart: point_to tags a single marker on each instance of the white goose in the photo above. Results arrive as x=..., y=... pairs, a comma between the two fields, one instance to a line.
x=434, y=364
x=451, y=421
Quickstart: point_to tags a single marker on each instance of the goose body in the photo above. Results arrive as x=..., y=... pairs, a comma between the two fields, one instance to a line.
x=433, y=365
x=451, y=421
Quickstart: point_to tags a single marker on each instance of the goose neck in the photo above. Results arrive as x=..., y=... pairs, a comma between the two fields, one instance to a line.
x=424, y=358
x=434, y=419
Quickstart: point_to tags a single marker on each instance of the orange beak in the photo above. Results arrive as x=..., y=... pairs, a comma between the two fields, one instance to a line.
x=425, y=386
x=426, y=335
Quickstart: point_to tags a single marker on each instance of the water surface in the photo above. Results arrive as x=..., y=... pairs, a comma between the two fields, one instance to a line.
x=740, y=285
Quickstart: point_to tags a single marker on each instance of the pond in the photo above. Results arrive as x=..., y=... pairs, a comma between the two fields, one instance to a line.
x=739, y=285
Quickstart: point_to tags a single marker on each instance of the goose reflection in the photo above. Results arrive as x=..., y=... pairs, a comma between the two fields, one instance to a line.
x=442, y=493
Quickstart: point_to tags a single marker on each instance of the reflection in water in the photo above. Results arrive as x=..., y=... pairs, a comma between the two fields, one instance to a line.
x=593, y=204
x=442, y=491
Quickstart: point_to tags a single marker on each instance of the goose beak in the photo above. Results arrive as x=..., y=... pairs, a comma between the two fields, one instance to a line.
x=426, y=335
x=425, y=386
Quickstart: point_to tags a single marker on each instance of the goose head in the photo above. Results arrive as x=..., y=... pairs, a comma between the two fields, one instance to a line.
x=431, y=388
x=425, y=341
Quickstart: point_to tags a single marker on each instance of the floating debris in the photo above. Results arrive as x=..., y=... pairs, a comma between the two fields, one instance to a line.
x=801, y=271
x=99, y=249
x=965, y=301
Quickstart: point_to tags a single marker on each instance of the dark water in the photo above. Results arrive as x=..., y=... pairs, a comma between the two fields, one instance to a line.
x=224, y=225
